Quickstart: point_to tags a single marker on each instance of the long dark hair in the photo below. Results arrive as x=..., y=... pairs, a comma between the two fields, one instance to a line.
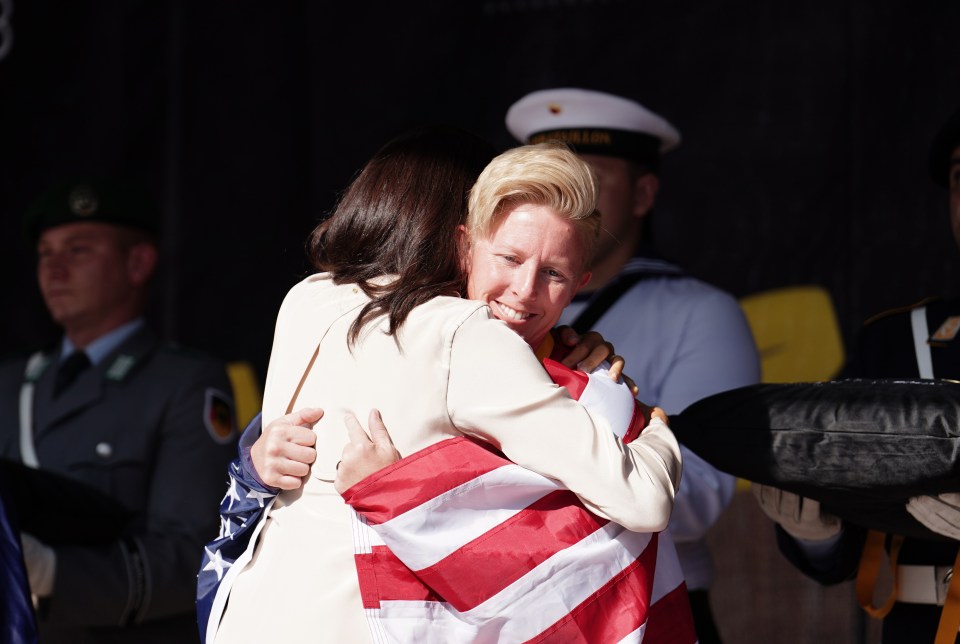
x=399, y=218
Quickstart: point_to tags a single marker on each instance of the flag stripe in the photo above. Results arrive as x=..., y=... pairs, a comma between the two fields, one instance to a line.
x=638, y=421
x=463, y=514
x=400, y=487
x=574, y=381
x=670, y=620
x=512, y=549
x=575, y=577
x=669, y=573
x=383, y=577
x=614, y=611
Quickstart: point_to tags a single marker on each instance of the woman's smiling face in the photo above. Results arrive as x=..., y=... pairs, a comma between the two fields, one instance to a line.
x=528, y=269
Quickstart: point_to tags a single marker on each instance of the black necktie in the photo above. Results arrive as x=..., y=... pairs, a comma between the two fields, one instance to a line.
x=68, y=371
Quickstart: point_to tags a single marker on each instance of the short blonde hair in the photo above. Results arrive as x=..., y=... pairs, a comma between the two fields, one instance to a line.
x=546, y=174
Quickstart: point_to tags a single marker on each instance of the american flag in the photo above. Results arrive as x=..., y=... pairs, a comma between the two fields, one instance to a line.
x=457, y=543
x=17, y=622
x=242, y=511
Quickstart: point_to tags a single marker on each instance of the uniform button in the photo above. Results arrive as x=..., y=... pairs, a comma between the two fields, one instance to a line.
x=104, y=450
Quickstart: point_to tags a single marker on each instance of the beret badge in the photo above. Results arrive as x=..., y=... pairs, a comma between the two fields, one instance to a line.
x=83, y=201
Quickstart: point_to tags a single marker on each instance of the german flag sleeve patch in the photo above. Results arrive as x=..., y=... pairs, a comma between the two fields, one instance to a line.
x=218, y=415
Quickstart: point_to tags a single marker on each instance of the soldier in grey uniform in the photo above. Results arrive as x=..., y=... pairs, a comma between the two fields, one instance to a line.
x=114, y=408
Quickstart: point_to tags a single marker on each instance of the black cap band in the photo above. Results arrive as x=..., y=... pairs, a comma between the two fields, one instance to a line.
x=635, y=146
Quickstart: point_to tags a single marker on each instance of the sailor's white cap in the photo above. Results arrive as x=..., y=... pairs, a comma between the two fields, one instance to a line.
x=592, y=122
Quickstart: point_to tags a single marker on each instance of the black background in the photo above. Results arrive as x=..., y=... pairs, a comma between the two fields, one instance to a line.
x=805, y=130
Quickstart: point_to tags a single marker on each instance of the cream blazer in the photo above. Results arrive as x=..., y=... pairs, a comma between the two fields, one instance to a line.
x=456, y=370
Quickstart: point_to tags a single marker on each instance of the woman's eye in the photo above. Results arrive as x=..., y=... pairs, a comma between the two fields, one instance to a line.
x=554, y=274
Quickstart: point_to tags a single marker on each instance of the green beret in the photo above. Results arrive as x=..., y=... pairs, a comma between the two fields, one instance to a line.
x=90, y=200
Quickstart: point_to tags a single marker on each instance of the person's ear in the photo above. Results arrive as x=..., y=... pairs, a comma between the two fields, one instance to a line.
x=141, y=263
x=584, y=280
x=645, y=189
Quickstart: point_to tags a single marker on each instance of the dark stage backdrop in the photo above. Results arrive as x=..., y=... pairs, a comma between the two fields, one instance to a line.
x=805, y=124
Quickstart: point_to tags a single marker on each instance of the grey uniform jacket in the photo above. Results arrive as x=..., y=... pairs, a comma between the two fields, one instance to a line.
x=153, y=428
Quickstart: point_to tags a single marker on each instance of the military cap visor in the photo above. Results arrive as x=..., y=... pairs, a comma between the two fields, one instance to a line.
x=941, y=152
x=90, y=201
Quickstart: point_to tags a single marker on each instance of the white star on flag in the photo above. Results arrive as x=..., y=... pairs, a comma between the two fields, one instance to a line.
x=232, y=493
x=217, y=563
x=226, y=528
x=259, y=496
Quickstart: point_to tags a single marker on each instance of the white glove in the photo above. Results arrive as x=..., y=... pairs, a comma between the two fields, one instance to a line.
x=41, y=563
x=799, y=516
x=939, y=513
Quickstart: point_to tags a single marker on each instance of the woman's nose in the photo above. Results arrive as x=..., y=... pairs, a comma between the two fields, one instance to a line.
x=525, y=283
